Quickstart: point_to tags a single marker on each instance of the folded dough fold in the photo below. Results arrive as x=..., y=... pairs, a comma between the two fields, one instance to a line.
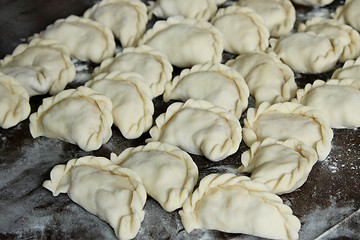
x=168, y=173
x=79, y=116
x=237, y=204
x=114, y=194
x=14, y=102
x=198, y=127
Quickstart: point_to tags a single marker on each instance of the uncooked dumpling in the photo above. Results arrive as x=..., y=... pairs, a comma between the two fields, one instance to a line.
x=185, y=42
x=114, y=194
x=350, y=70
x=290, y=120
x=200, y=9
x=168, y=173
x=79, y=116
x=282, y=166
x=307, y=52
x=314, y=3
x=216, y=83
x=14, y=102
x=198, y=127
x=131, y=99
x=349, y=37
x=269, y=79
x=85, y=38
x=41, y=66
x=153, y=66
x=279, y=15
x=338, y=100
x=243, y=29
x=349, y=13
x=237, y=204
x=126, y=18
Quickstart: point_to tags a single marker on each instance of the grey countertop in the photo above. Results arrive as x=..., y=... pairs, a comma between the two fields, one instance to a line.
x=327, y=204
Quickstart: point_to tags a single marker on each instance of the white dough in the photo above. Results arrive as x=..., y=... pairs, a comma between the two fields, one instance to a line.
x=279, y=15
x=269, y=79
x=168, y=173
x=282, y=166
x=114, y=194
x=14, y=102
x=307, y=52
x=338, y=100
x=85, y=38
x=41, y=66
x=349, y=37
x=216, y=83
x=349, y=13
x=200, y=9
x=198, y=127
x=242, y=28
x=237, y=204
x=126, y=18
x=185, y=42
x=131, y=99
x=289, y=120
x=350, y=70
x=314, y=3
x=153, y=66
x=79, y=116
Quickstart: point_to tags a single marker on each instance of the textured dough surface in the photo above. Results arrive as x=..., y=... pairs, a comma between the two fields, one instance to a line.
x=89, y=40
x=215, y=83
x=168, y=173
x=199, y=127
x=242, y=28
x=282, y=166
x=279, y=15
x=289, y=120
x=114, y=194
x=215, y=205
x=131, y=98
x=126, y=18
x=79, y=116
x=185, y=42
x=268, y=79
x=339, y=101
x=14, y=102
x=308, y=52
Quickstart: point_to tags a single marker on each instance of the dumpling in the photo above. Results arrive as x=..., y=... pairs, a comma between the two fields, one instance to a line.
x=279, y=15
x=216, y=83
x=114, y=194
x=338, y=100
x=200, y=9
x=198, y=127
x=89, y=39
x=243, y=29
x=185, y=42
x=282, y=166
x=236, y=204
x=14, y=102
x=313, y=2
x=290, y=120
x=79, y=116
x=126, y=18
x=41, y=66
x=269, y=79
x=350, y=70
x=153, y=66
x=168, y=173
x=333, y=29
x=348, y=13
x=131, y=99
x=307, y=52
